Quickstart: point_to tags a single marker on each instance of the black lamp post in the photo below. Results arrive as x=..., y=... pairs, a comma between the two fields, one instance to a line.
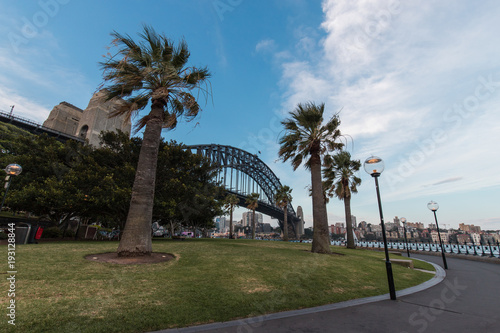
x=434, y=207
x=374, y=166
x=403, y=220
x=10, y=170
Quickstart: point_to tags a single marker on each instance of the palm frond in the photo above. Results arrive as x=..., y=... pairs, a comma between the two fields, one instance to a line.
x=305, y=133
x=180, y=55
x=339, y=173
x=154, y=70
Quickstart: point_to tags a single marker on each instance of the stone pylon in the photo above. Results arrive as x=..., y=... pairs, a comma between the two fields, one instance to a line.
x=299, y=226
x=96, y=118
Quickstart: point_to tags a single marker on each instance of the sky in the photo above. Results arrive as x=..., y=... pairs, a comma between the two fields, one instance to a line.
x=416, y=83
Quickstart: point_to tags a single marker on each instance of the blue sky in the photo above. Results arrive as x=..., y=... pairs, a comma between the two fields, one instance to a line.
x=418, y=84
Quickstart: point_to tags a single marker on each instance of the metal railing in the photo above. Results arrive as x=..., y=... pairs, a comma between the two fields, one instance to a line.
x=489, y=250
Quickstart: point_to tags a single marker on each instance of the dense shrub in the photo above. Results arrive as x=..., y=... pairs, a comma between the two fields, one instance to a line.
x=52, y=232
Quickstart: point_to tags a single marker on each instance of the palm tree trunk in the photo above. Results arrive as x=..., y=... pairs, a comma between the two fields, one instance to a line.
x=171, y=229
x=321, y=236
x=348, y=223
x=285, y=224
x=253, y=224
x=231, y=223
x=136, y=239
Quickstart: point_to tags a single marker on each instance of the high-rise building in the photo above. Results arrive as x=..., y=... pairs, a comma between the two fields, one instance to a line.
x=396, y=221
x=353, y=221
x=247, y=219
x=264, y=228
x=222, y=224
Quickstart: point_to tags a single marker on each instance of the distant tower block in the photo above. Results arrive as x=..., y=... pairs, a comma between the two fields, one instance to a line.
x=299, y=227
x=95, y=119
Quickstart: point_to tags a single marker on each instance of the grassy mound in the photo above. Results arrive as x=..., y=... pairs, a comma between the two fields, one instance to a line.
x=211, y=280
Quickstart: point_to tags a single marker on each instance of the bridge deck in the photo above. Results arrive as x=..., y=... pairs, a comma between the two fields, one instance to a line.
x=35, y=128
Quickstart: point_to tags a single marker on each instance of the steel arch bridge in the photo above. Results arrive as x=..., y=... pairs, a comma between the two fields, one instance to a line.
x=242, y=173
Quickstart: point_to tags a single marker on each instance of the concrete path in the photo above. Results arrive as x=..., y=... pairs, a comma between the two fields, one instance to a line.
x=467, y=299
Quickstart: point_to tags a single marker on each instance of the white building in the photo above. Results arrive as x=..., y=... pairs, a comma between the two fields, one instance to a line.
x=247, y=219
x=476, y=238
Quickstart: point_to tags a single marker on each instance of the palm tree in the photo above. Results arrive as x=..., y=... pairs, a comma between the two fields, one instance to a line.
x=252, y=203
x=341, y=182
x=229, y=203
x=307, y=139
x=283, y=197
x=151, y=71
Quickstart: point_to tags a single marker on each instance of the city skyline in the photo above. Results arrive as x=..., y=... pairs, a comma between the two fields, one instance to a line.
x=415, y=83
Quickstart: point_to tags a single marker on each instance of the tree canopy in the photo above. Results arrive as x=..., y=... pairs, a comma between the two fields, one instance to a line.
x=63, y=181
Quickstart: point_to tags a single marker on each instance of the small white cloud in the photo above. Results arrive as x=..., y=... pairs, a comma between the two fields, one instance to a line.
x=265, y=45
x=23, y=106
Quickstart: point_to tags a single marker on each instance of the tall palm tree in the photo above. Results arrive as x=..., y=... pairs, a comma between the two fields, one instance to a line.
x=252, y=203
x=307, y=139
x=152, y=71
x=283, y=197
x=340, y=181
x=230, y=201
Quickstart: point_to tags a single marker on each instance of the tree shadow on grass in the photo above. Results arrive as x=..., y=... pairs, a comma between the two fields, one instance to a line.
x=113, y=258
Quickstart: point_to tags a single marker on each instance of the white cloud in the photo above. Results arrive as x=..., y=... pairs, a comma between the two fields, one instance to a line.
x=398, y=70
x=31, y=77
x=265, y=45
x=23, y=106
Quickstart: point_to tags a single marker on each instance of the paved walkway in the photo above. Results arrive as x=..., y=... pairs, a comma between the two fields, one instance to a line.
x=465, y=299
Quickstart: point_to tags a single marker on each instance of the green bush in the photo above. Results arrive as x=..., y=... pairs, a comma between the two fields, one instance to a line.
x=52, y=232
x=3, y=235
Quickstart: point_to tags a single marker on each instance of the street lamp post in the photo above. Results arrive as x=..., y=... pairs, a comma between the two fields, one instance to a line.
x=406, y=239
x=374, y=166
x=434, y=207
x=10, y=170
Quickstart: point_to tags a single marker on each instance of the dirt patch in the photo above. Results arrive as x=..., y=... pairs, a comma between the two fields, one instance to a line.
x=253, y=285
x=113, y=258
x=258, y=290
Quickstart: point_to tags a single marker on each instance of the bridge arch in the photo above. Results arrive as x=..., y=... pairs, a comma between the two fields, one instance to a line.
x=242, y=173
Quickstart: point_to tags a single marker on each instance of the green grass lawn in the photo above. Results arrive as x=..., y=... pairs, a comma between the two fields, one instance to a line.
x=211, y=280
